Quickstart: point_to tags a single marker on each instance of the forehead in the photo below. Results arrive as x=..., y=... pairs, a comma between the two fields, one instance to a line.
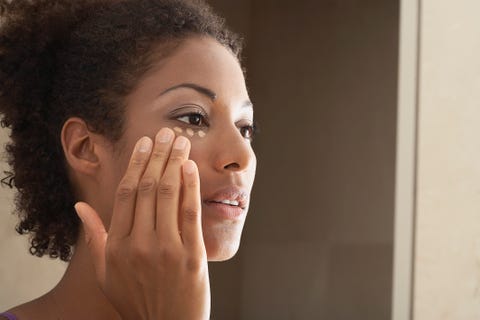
x=198, y=60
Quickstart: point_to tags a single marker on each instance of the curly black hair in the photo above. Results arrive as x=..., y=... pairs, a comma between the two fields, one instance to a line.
x=66, y=58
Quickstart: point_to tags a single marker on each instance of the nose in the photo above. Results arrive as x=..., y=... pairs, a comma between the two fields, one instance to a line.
x=233, y=152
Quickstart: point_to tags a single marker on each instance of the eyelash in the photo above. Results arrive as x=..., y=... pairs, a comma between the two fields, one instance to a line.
x=250, y=128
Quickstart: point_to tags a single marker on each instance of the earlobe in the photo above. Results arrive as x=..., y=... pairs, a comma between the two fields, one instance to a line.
x=80, y=146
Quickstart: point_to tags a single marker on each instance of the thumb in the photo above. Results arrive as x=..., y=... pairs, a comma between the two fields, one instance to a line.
x=95, y=236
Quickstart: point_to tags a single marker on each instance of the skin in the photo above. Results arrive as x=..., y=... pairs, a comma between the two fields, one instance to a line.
x=147, y=258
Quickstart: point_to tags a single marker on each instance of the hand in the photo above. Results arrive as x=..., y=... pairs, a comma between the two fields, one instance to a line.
x=152, y=263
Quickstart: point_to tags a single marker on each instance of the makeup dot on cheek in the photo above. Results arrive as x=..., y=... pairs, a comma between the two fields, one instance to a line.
x=190, y=132
x=201, y=134
x=178, y=130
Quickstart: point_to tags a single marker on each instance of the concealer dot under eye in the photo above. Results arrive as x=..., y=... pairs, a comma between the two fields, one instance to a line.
x=178, y=130
x=190, y=132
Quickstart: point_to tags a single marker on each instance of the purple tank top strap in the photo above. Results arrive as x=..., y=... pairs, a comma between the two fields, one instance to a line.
x=8, y=315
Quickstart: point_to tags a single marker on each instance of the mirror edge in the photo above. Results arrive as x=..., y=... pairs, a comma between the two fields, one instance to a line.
x=406, y=154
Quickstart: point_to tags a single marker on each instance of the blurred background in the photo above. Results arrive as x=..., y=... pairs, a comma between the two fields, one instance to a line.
x=318, y=240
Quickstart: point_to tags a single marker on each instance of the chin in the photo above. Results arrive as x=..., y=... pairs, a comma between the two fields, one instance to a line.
x=221, y=238
x=221, y=250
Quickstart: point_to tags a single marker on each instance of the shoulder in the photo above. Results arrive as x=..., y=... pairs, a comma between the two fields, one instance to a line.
x=35, y=309
x=8, y=316
x=17, y=313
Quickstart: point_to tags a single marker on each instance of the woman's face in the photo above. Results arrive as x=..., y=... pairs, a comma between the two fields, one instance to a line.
x=199, y=92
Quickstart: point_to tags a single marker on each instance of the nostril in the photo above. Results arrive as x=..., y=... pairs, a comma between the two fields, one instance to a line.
x=233, y=165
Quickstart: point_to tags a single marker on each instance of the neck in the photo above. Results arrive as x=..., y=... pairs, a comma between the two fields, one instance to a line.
x=78, y=295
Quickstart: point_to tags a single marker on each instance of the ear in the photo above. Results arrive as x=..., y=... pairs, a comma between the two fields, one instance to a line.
x=80, y=146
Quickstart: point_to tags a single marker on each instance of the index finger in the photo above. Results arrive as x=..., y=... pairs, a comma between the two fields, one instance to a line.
x=125, y=197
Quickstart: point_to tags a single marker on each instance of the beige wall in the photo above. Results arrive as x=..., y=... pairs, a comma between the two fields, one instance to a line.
x=22, y=276
x=447, y=260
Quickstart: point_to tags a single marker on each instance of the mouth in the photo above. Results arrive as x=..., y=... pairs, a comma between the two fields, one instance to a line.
x=231, y=196
x=233, y=203
x=230, y=202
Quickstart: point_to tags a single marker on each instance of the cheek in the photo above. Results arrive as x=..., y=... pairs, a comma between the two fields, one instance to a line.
x=199, y=141
x=253, y=169
x=200, y=153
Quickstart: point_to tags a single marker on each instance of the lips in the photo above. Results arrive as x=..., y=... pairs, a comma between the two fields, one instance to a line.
x=228, y=203
x=230, y=196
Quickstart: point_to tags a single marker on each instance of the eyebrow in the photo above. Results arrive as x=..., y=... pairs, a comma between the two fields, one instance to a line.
x=205, y=91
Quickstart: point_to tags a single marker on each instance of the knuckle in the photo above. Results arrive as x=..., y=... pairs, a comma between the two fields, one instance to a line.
x=113, y=252
x=139, y=253
x=138, y=162
x=168, y=256
x=166, y=190
x=194, y=264
x=191, y=184
x=176, y=158
x=89, y=240
x=126, y=191
x=146, y=184
x=159, y=154
x=191, y=214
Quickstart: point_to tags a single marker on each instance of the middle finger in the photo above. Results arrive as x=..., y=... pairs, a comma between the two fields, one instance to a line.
x=146, y=196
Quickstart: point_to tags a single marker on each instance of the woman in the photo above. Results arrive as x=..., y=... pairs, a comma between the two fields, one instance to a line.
x=136, y=114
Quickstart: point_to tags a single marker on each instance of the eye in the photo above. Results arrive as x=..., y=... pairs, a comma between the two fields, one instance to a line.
x=195, y=119
x=248, y=131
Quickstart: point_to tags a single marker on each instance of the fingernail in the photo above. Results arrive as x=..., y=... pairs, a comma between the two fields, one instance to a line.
x=180, y=143
x=144, y=144
x=78, y=213
x=164, y=136
x=189, y=167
